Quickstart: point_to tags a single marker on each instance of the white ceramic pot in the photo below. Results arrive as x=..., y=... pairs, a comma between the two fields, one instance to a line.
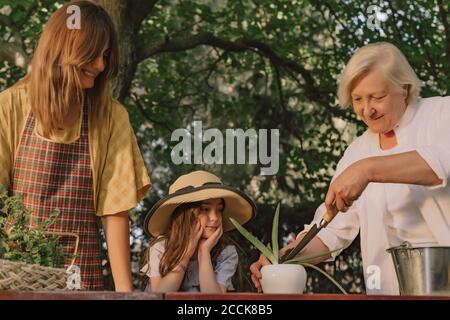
x=283, y=278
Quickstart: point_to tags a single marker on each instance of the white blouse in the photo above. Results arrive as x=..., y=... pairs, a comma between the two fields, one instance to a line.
x=388, y=214
x=403, y=219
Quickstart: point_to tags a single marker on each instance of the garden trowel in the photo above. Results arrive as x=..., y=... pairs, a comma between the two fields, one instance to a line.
x=291, y=253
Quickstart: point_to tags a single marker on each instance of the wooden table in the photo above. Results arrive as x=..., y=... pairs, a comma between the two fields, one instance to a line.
x=108, y=295
x=258, y=296
x=80, y=295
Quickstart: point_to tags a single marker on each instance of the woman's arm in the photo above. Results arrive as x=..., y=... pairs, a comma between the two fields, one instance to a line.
x=407, y=168
x=117, y=233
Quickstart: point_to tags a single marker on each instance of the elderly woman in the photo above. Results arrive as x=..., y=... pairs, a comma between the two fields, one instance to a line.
x=392, y=180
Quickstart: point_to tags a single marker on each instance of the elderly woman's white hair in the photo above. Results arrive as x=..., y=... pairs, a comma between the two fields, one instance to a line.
x=384, y=55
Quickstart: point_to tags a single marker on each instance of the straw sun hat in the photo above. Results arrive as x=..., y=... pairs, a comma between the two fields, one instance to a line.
x=199, y=186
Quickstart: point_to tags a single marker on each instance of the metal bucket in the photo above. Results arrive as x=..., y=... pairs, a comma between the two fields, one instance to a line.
x=422, y=270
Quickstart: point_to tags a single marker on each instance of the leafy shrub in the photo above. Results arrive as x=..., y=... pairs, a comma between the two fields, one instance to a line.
x=20, y=242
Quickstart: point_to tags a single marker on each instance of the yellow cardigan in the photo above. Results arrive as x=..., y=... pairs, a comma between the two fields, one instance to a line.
x=119, y=173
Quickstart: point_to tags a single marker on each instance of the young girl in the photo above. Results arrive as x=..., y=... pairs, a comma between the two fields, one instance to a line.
x=66, y=144
x=189, y=253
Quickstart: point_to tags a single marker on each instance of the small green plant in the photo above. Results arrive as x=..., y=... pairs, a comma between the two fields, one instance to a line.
x=19, y=242
x=272, y=252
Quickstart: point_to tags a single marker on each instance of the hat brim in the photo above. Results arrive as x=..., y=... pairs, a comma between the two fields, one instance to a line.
x=238, y=206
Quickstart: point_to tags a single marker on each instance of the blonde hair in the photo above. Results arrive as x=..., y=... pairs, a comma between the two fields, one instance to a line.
x=53, y=83
x=397, y=70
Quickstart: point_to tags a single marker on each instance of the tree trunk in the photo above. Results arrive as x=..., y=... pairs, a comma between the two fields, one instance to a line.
x=121, y=12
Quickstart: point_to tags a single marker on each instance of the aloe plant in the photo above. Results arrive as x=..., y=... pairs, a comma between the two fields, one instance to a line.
x=272, y=251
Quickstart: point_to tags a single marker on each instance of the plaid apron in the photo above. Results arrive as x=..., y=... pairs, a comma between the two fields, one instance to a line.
x=54, y=175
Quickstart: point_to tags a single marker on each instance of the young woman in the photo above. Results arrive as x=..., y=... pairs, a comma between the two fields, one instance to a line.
x=189, y=253
x=66, y=144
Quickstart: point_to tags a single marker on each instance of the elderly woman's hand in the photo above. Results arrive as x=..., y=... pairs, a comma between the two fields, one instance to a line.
x=348, y=186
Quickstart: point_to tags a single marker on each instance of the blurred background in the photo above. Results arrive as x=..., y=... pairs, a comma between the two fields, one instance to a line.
x=249, y=64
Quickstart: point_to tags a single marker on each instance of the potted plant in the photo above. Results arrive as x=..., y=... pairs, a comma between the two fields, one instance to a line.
x=286, y=277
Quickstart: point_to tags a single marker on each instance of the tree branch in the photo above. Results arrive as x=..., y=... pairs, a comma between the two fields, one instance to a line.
x=280, y=88
x=212, y=68
x=186, y=43
x=146, y=115
x=140, y=9
x=243, y=44
x=312, y=92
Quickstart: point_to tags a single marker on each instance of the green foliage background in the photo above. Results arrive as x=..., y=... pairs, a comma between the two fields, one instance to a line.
x=253, y=88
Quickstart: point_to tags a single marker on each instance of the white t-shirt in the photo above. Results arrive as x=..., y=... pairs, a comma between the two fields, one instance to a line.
x=224, y=268
x=387, y=214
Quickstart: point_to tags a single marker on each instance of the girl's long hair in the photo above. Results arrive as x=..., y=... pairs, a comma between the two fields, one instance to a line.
x=177, y=238
x=54, y=83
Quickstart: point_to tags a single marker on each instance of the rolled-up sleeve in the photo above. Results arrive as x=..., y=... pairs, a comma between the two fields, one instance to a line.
x=124, y=180
x=437, y=152
x=438, y=158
